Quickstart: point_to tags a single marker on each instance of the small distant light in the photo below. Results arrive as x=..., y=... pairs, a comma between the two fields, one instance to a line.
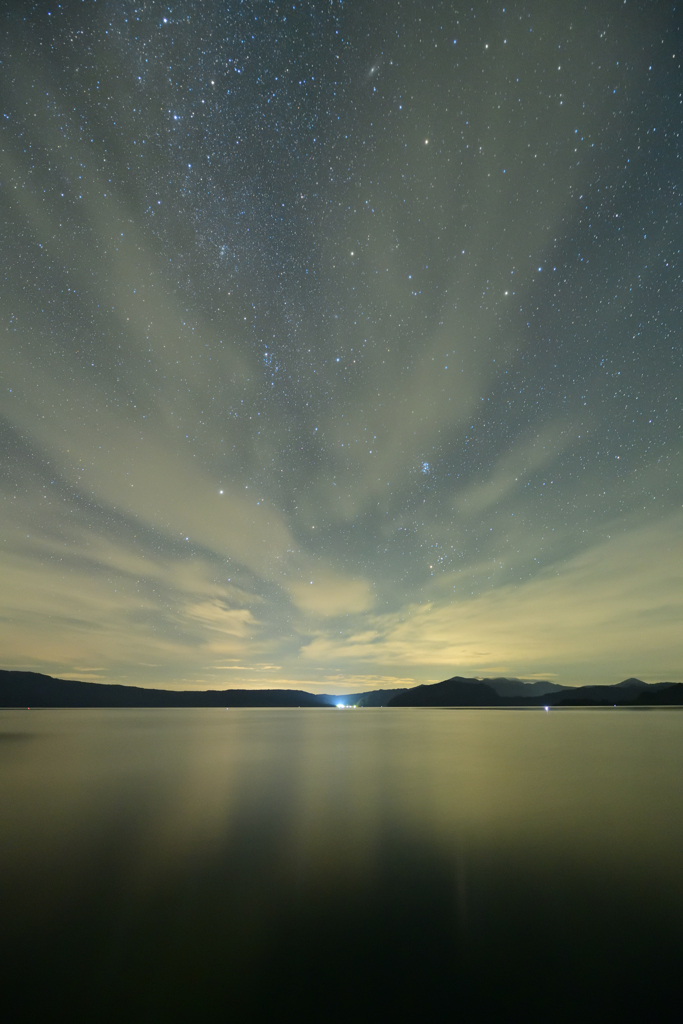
x=547, y=708
x=220, y=492
x=341, y=705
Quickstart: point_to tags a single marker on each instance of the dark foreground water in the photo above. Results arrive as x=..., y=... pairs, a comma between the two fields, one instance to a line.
x=373, y=865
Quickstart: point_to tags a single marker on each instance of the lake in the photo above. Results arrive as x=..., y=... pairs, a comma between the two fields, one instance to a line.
x=333, y=865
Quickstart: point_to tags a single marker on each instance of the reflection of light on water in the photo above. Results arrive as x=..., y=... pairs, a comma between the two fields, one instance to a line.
x=331, y=797
x=220, y=839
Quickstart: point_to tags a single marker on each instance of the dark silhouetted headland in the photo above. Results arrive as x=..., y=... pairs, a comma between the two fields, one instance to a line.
x=456, y=692
x=667, y=693
x=462, y=692
x=32, y=689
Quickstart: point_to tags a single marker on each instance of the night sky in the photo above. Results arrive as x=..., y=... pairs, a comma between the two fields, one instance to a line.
x=341, y=342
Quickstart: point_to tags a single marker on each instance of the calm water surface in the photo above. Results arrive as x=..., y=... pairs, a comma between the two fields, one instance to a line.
x=373, y=864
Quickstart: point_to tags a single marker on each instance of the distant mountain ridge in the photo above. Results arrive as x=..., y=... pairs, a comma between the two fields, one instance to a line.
x=456, y=692
x=502, y=686
x=462, y=692
x=33, y=689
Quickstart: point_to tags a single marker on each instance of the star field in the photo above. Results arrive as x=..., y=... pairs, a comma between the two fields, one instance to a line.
x=342, y=344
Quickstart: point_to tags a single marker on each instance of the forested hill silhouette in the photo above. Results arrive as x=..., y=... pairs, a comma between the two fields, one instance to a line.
x=35, y=690
x=32, y=689
x=666, y=693
x=462, y=692
x=456, y=692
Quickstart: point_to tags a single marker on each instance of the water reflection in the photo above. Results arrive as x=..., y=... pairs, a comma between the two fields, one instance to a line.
x=162, y=865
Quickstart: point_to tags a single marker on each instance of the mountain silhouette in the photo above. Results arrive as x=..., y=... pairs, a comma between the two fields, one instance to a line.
x=35, y=690
x=32, y=689
x=455, y=692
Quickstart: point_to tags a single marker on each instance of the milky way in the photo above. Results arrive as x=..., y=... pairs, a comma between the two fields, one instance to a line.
x=342, y=342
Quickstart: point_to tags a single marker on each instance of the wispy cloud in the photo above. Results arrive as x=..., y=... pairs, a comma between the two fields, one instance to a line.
x=408, y=412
